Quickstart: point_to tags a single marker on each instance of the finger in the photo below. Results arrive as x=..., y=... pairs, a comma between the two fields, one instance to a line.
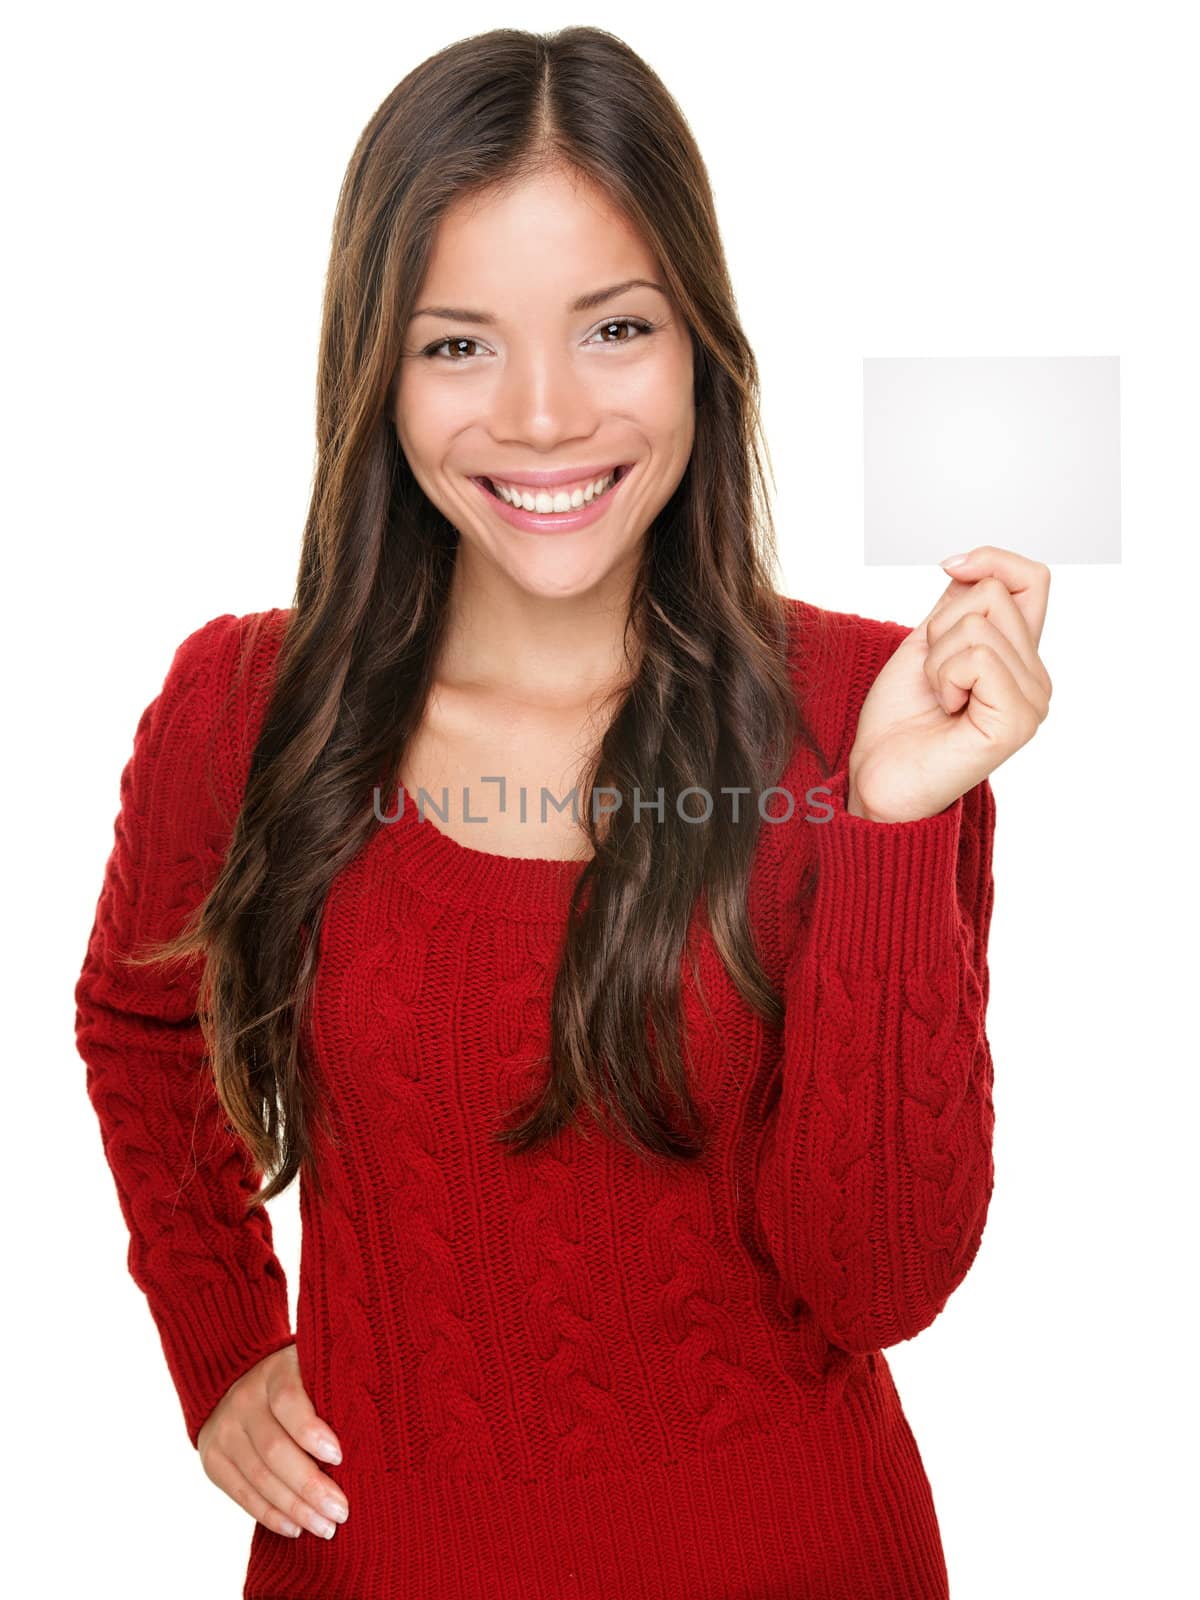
x=1026, y=580
x=979, y=679
x=991, y=599
x=951, y=589
x=986, y=614
x=290, y=1404
x=229, y=1477
x=269, y=1465
x=308, y=1492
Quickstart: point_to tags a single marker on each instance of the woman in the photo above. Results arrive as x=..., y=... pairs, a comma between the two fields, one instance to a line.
x=642, y=1098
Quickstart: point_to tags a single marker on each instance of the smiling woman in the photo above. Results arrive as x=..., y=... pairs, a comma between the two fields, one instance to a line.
x=626, y=1140
x=548, y=398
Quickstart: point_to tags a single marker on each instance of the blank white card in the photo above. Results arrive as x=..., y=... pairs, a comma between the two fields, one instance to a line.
x=1019, y=451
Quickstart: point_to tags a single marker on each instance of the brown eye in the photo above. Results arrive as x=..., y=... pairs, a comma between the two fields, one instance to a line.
x=624, y=322
x=433, y=349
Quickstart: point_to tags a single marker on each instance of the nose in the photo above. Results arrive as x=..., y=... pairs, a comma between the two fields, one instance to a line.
x=543, y=397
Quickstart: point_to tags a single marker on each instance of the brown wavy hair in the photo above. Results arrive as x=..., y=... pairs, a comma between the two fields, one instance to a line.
x=713, y=700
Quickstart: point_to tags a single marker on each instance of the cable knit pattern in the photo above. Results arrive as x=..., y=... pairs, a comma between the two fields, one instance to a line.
x=214, y=1285
x=543, y=1207
x=877, y=1173
x=575, y=1373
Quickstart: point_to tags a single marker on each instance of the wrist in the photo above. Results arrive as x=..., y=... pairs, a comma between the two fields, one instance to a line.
x=855, y=807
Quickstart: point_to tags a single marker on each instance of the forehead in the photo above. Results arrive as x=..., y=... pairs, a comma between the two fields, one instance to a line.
x=538, y=243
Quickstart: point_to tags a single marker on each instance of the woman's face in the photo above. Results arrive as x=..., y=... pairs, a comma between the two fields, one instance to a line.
x=516, y=378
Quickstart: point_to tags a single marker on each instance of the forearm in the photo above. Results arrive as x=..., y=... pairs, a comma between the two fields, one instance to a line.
x=875, y=1176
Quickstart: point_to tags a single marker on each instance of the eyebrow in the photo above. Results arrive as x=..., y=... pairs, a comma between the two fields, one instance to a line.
x=586, y=302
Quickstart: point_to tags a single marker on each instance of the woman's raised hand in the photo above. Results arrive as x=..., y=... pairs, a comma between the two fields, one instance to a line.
x=256, y=1447
x=964, y=691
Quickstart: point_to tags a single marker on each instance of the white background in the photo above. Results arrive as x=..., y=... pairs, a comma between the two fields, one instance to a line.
x=913, y=180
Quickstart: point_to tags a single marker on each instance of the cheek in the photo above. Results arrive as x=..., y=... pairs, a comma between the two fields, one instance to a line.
x=427, y=416
x=662, y=393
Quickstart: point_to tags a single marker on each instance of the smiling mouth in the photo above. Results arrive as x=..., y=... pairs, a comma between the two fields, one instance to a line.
x=618, y=473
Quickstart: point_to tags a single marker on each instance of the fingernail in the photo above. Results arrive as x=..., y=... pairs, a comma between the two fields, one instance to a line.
x=328, y=1451
x=953, y=561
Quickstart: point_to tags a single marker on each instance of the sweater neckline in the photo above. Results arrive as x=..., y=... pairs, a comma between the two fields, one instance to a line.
x=525, y=888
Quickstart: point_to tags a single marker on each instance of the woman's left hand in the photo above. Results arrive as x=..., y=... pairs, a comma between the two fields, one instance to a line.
x=957, y=697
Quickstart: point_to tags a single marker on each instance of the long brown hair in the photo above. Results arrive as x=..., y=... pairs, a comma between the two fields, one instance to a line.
x=713, y=700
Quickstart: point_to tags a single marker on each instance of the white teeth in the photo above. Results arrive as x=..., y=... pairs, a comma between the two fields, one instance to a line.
x=544, y=501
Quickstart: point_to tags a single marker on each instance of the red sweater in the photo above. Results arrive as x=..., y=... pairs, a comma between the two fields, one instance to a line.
x=574, y=1374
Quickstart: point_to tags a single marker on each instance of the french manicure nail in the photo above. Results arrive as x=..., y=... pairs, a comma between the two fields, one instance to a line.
x=953, y=561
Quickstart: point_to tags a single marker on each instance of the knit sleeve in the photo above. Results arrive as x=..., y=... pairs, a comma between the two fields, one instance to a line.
x=215, y=1288
x=875, y=1171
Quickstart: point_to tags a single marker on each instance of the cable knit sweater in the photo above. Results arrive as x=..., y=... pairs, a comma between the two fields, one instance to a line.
x=576, y=1374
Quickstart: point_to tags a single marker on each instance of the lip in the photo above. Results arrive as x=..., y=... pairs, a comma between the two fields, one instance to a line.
x=557, y=521
x=551, y=480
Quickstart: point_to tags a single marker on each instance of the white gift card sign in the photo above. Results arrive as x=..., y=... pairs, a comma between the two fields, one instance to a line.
x=1019, y=451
